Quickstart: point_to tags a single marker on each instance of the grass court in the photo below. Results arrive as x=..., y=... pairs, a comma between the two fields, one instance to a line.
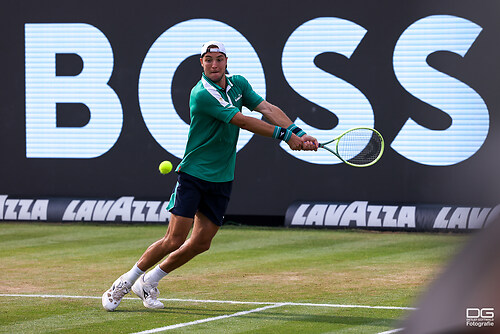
x=252, y=280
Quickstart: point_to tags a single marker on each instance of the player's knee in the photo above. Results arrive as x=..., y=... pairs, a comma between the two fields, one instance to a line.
x=172, y=243
x=200, y=246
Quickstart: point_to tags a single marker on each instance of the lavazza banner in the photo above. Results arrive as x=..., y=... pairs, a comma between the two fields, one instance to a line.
x=362, y=214
x=123, y=209
x=95, y=94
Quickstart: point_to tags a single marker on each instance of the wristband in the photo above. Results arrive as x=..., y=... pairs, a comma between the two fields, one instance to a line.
x=282, y=133
x=295, y=129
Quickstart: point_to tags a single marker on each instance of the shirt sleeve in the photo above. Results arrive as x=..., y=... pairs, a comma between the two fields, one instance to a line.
x=213, y=106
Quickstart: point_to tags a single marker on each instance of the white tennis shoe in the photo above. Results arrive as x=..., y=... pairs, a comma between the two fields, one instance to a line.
x=148, y=292
x=113, y=296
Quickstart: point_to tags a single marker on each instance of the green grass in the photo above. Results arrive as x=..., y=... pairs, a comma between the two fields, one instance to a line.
x=244, y=264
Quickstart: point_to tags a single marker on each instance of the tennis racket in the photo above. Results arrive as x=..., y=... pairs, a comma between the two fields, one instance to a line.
x=358, y=147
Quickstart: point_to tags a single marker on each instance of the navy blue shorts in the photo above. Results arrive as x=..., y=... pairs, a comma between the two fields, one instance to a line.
x=192, y=194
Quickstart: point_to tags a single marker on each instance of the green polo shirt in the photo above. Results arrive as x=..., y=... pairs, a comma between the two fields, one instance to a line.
x=211, y=146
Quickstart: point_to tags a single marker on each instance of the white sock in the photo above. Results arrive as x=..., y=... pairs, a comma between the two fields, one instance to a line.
x=155, y=275
x=133, y=274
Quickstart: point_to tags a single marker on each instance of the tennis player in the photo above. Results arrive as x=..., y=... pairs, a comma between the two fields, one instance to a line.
x=206, y=172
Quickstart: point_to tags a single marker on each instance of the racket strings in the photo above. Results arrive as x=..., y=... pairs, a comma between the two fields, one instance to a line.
x=350, y=150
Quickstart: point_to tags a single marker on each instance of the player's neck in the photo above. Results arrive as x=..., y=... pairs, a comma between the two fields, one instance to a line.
x=222, y=82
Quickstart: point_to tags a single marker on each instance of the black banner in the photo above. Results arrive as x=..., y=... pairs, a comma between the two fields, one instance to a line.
x=123, y=209
x=368, y=215
x=95, y=95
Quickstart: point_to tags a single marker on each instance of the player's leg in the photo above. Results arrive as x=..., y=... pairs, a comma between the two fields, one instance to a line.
x=207, y=221
x=213, y=204
x=200, y=240
x=177, y=232
x=183, y=204
x=147, y=289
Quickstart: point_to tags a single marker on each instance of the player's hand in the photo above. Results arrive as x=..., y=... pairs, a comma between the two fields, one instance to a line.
x=295, y=143
x=309, y=143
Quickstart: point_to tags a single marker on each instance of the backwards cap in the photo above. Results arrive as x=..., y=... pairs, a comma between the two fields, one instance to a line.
x=219, y=48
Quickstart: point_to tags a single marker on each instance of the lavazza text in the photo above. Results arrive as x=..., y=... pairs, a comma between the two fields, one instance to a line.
x=363, y=214
x=125, y=209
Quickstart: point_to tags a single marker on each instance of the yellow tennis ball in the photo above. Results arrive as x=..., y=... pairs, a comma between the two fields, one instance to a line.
x=165, y=167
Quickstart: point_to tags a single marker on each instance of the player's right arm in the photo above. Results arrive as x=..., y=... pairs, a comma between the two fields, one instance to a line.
x=262, y=128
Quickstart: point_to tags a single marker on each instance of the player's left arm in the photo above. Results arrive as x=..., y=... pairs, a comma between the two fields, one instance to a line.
x=277, y=117
x=273, y=114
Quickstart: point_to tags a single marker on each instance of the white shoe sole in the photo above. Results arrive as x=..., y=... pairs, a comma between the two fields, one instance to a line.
x=107, y=302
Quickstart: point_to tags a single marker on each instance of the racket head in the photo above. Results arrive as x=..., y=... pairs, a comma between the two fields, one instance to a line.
x=358, y=147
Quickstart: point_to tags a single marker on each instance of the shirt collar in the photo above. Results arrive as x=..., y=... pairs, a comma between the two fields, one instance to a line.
x=228, y=85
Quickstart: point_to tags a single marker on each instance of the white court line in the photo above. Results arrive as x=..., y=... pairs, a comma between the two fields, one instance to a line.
x=196, y=322
x=392, y=331
x=218, y=301
x=48, y=296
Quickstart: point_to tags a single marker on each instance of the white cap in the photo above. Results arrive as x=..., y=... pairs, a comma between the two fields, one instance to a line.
x=219, y=47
